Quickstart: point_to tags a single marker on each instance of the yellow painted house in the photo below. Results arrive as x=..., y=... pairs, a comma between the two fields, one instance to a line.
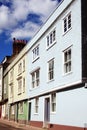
x=17, y=94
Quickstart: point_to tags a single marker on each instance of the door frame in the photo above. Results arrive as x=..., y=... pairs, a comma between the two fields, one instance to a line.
x=29, y=110
x=46, y=111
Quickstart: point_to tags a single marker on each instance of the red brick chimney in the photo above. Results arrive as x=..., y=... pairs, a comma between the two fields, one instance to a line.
x=18, y=45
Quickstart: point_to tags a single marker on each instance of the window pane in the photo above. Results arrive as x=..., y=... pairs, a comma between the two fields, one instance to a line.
x=65, y=25
x=35, y=52
x=69, y=21
x=67, y=61
x=53, y=101
x=35, y=78
x=36, y=105
x=54, y=35
x=47, y=40
x=51, y=70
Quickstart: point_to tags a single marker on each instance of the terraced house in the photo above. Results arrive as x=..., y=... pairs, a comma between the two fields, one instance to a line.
x=10, y=80
x=47, y=81
x=57, y=69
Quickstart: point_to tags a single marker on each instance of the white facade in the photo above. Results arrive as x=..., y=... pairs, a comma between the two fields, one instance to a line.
x=70, y=105
x=63, y=42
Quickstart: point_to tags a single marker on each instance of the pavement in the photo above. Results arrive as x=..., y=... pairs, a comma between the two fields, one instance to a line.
x=17, y=125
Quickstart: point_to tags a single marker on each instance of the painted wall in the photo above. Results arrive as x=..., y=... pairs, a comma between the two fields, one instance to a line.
x=56, y=51
x=71, y=108
x=71, y=104
x=16, y=76
x=24, y=116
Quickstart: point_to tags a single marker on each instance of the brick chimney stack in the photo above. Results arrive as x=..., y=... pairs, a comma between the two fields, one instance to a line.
x=18, y=45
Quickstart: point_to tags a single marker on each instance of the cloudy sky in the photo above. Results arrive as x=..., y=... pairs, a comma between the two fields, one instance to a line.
x=21, y=19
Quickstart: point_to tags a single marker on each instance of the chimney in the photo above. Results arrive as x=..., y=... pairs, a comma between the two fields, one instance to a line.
x=18, y=45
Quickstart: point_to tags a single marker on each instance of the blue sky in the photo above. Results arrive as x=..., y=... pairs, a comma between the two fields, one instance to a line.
x=22, y=19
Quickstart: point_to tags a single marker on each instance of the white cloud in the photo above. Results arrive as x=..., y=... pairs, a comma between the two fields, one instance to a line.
x=43, y=7
x=21, y=9
x=28, y=30
x=4, y=13
x=18, y=11
x=7, y=20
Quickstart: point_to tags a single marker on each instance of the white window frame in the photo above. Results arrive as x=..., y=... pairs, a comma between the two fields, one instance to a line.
x=50, y=72
x=35, y=79
x=35, y=53
x=24, y=85
x=53, y=103
x=12, y=110
x=67, y=23
x=19, y=86
x=11, y=90
x=51, y=39
x=23, y=64
x=36, y=105
x=67, y=59
x=21, y=107
x=20, y=68
x=11, y=75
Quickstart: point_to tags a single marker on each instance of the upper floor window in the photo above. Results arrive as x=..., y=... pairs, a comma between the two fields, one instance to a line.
x=51, y=38
x=23, y=64
x=5, y=88
x=11, y=91
x=67, y=60
x=67, y=23
x=11, y=75
x=20, y=68
x=23, y=85
x=35, y=78
x=51, y=69
x=35, y=52
x=36, y=105
x=20, y=86
x=53, y=102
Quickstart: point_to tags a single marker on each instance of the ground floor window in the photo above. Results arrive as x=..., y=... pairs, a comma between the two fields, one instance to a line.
x=53, y=102
x=21, y=108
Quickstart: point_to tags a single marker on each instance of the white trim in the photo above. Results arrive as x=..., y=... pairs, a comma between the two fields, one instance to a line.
x=64, y=17
x=62, y=86
x=70, y=72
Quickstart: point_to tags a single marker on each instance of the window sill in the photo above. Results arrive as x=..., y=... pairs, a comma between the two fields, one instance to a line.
x=35, y=59
x=21, y=113
x=64, y=33
x=50, y=81
x=19, y=94
x=51, y=45
x=53, y=113
x=34, y=88
x=68, y=73
x=35, y=113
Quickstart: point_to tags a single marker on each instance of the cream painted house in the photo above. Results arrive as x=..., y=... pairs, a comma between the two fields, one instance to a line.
x=15, y=75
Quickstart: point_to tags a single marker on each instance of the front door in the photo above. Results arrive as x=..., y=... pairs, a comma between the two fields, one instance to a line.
x=47, y=112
